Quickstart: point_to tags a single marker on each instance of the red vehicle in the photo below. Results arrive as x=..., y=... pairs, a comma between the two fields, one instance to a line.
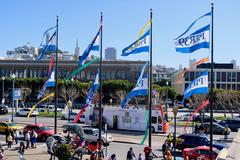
x=41, y=129
x=202, y=152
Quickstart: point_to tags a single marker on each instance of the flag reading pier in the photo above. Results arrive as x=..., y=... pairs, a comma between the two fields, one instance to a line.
x=56, y=80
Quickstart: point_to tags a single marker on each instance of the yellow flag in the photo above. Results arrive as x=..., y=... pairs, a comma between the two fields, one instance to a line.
x=33, y=107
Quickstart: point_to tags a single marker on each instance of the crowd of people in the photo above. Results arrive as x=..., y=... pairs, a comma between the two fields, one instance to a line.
x=13, y=137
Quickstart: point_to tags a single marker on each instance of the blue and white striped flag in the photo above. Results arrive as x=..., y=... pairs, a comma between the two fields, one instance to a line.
x=94, y=87
x=141, y=88
x=49, y=83
x=93, y=46
x=194, y=41
x=197, y=86
x=140, y=45
x=50, y=45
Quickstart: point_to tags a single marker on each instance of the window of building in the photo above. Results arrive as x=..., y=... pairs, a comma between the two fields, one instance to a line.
x=191, y=76
x=238, y=86
x=223, y=86
x=234, y=77
x=229, y=77
x=218, y=76
x=238, y=76
x=218, y=86
x=186, y=76
x=228, y=86
x=223, y=76
x=233, y=86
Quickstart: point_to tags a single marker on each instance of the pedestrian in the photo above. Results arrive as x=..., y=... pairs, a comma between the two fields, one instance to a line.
x=226, y=132
x=2, y=157
x=140, y=156
x=130, y=154
x=17, y=135
x=21, y=151
x=196, y=129
x=9, y=141
x=7, y=133
x=165, y=146
x=34, y=139
x=147, y=150
x=27, y=139
x=12, y=134
x=112, y=157
x=169, y=155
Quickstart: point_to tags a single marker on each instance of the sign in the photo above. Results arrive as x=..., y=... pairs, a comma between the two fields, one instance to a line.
x=17, y=93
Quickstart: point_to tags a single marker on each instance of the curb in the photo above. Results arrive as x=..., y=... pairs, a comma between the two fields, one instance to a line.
x=127, y=142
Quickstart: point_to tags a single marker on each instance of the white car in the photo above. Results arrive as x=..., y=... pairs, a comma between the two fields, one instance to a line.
x=72, y=117
x=91, y=134
x=25, y=111
x=48, y=108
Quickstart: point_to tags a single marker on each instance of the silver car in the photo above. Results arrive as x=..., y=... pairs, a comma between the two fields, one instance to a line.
x=91, y=134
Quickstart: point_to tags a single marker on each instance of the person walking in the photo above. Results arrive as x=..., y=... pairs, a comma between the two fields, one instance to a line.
x=7, y=134
x=9, y=140
x=130, y=154
x=140, y=157
x=2, y=157
x=21, y=151
x=27, y=139
x=17, y=135
x=112, y=157
x=226, y=132
x=34, y=139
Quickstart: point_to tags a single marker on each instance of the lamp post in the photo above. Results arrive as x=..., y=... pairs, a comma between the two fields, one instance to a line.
x=13, y=77
x=72, y=79
x=69, y=105
x=175, y=111
x=167, y=101
x=3, y=100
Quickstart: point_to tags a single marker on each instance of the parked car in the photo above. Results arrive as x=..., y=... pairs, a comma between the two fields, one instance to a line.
x=9, y=125
x=48, y=108
x=91, y=134
x=217, y=128
x=205, y=118
x=233, y=124
x=188, y=140
x=3, y=109
x=41, y=129
x=202, y=152
x=186, y=116
x=25, y=111
x=72, y=117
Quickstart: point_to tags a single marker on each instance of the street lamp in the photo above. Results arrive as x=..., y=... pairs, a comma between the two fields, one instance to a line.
x=69, y=105
x=167, y=101
x=3, y=100
x=13, y=77
x=175, y=111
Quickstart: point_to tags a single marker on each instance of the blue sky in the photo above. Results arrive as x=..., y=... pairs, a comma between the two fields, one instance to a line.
x=25, y=21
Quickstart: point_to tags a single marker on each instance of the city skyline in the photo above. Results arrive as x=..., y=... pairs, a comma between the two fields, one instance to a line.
x=26, y=22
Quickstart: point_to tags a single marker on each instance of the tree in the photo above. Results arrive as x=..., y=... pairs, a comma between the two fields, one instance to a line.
x=25, y=93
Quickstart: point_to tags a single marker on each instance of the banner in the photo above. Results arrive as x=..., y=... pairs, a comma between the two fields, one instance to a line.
x=140, y=45
x=93, y=46
x=197, y=110
x=82, y=68
x=33, y=107
x=141, y=88
x=195, y=41
x=197, y=86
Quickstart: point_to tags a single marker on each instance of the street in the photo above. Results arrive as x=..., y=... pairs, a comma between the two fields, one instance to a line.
x=123, y=140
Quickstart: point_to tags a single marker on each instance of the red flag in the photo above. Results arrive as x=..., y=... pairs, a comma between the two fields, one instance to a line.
x=50, y=66
x=80, y=113
x=197, y=110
